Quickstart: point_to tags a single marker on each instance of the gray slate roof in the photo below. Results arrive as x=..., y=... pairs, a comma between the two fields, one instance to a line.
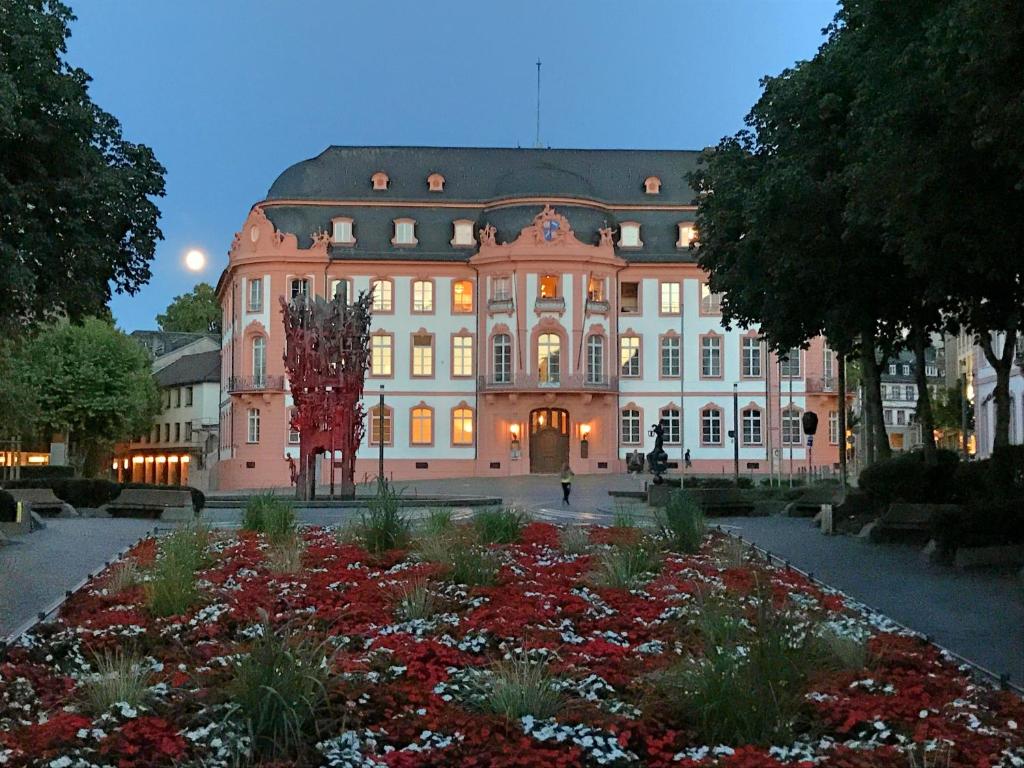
x=161, y=342
x=191, y=369
x=483, y=177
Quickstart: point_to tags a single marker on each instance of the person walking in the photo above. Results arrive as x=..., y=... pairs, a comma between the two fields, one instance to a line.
x=686, y=459
x=567, y=476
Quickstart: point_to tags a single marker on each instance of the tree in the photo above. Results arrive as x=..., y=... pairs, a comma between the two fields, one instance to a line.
x=91, y=381
x=77, y=216
x=195, y=312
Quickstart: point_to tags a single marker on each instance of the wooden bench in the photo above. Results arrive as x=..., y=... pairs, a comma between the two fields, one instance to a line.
x=167, y=504
x=810, y=501
x=43, y=501
x=902, y=520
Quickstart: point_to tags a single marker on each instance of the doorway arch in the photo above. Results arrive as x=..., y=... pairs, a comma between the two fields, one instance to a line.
x=549, y=440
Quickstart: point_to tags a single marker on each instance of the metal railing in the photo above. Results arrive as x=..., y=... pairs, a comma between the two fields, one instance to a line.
x=549, y=304
x=255, y=384
x=821, y=384
x=519, y=382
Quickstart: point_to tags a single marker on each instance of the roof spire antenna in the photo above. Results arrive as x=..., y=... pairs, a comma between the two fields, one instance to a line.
x=536, y=143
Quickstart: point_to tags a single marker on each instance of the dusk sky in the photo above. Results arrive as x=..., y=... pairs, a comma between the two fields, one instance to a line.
x=229, y=94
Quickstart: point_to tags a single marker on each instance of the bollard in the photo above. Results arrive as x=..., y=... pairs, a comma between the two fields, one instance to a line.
x=18, y=514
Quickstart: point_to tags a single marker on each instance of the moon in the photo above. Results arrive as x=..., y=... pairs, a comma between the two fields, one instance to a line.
x=195, y=260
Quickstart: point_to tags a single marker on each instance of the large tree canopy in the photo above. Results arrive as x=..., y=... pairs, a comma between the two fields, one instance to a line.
x=77, y=217
x=194, y=312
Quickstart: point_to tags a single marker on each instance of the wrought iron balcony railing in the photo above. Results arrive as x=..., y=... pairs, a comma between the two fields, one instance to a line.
x=239, y=384
x=549, y=304
x=527, y=382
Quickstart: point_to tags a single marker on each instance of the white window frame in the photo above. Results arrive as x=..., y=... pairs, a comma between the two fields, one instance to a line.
x=423, y=296
x=669, y=353
x=670, y=301
x=711, y=357
x=254, y=302
x=343, y=231
x=383, y=295
x=501, y=358
x=791, y=428
x=629, y=426
x=253, y=431
x=752, y=358
x=629, y=357
x=629, y=235
x=671, y=422
x=462, y=355
x=595, y=359
x=752, y=421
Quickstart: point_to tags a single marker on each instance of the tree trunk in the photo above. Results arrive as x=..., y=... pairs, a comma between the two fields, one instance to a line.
x=841, y=362
x=1002, y=364
x=925, y=417
x=873, y=400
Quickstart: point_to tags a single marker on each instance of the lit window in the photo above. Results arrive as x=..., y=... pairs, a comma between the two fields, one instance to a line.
x=833, y=427
x=670, y=356
x=548, y=288
x=549, y=347
x=422, y=354
x=502, y=357
x=629, y=298
x=687, y=234
x=462, y=232
x=789, y=364
x=501, y=289
x=595, y=359
x=791, y=427
x=343, y=232
x=751, y=358
x=380, y=354
x=293, y=432
x=383, y=295
x=300, y=287
x=379, y=425
x=751, y=426
x=254, y=426
x=710, y=303
x=259, y=361
x=256, y=294
x=670, y=423
x=422, y=426
x=422, y=296
x=711, y=357
x=405, y=232
x=629, y=355
x=462, y=356
x=462, y=296
x=711, y=426
x=462, y=426
x=629, y=235
x=670, y=298
x=339, y=289
x=630, y=426
x=595, y=289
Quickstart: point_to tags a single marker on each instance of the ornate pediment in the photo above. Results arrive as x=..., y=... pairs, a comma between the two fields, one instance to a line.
x=258, y=235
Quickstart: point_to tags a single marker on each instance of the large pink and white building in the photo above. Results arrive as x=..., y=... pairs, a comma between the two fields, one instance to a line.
x=531, y=307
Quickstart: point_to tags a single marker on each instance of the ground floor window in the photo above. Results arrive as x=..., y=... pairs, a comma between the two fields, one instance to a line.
x=630, y=425
x=791, y=427
x=379, y=426
x=422, y=432
x=711, y=426
x=462, y=426
x=752, y=426
x=833, y=427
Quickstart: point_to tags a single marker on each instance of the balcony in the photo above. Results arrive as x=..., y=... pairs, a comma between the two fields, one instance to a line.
x=500, y=304
x=549, y=304
x=598, y=307
x=241, y=384
x=530, y=382
x=822, y=384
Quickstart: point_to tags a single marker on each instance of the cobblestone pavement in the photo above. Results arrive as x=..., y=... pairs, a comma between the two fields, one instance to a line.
x=36, y=570
x=979, y=615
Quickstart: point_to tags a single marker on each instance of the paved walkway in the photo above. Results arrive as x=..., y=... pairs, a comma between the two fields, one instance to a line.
x=978, y=615
x=36, y=570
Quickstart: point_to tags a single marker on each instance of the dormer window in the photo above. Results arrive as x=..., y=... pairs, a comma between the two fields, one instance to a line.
x=343, y=234
x=629, y=235
x=687, y=234
x=405, y=232
x=380, y=180
x=435, y=182
x=652, y=185
x=462, y=234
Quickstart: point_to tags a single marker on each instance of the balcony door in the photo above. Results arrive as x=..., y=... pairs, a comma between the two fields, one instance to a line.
x=259, y=362
x=549, y=440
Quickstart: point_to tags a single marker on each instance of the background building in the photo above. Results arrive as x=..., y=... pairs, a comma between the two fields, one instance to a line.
x=531, y=308
x=899, y=396
x=984, y=402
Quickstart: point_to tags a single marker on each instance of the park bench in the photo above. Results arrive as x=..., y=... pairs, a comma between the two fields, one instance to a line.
x=167, y=504
x=904, y=521
x=808, y=504
x=43, y=501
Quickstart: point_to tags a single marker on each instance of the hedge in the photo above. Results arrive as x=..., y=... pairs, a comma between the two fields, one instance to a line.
x=37, y=472
x=89, y=493
x=8, y=508
x=907, y=478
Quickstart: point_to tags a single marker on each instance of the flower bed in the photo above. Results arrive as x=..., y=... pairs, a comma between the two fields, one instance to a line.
x=619, y=654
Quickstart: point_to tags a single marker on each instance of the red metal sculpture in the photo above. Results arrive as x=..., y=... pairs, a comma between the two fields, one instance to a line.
x=326, y=355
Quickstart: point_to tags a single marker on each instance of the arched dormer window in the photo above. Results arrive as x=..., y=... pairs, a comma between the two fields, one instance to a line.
x=380, y=180
x=652, y=185
x=435, y=182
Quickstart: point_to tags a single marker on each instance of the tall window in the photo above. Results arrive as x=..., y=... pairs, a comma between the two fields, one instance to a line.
x=670, y=356
x=254, y=426
x=462, y=426
x=255, y=294
x=462, y=356
x=827, y=367
x=502, y=358
x=595, y=359
x=711, y=426
x=670, y=423
x=629, y=298
x=377, y=425
x=381, y=352
x=790, y=364
x=259, y=361
x=629, y=356
x=909, y=393
x=177, y=398
x=791, y=427
x=188, y=431
x=751, y=358
x=751, y=426
x=670, y=298
x=549, y=347
x=422, y=296
x=711, y=357
x=343, y=231
x=833, y=427
x=300, y=287
x=501, y=288
x=901, y=417
x=630, y=426
x=383, y=295
x=462, y=296
x=548, y=287
x=887, y=415
x=422, y=354
x=710, y=303
x=595, y=289
x=422, y=426
x=189, y=396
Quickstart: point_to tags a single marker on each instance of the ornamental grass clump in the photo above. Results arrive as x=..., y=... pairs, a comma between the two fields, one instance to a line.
x=172, y=589
x=279, y=690
x=270, y=515
x=624, y=515
x=123, y=576
x=499, y=526
x=120, y=678
x=472, y=566
x=416, y=601
x=683, y=522
x=627, y=566
x=519, y=686
x=438, y=521
x=383, y=526
x=285, y=556
x=574, y=540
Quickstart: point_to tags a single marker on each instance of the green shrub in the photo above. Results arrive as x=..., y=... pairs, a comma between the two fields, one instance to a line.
x=985, y=522
x=416, y=600
x=47, y=471
x=499, y=526
x=271, y=515
x=574, y=540
x=683, y=522
x=119, y=677
x=907, y=478
x=627, y=566
x=383, y=526
x=8, y=508
x=624, y=515
x=285, y=554
x=438, y=521
x=172, y=588
x=280, y=691
x=695, y=481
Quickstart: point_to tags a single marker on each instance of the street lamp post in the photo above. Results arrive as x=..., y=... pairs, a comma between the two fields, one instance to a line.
x=735, y=434
x=381, y=482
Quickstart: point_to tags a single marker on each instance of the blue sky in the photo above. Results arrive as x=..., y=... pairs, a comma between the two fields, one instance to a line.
x=229, y=94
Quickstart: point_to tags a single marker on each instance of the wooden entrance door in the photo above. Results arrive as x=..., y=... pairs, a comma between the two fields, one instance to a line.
x=549, y=440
